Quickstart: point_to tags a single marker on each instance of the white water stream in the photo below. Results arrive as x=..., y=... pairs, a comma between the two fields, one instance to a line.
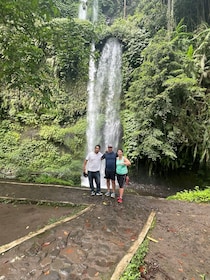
x=82, y=10
x=105, y=104
x=104, y=89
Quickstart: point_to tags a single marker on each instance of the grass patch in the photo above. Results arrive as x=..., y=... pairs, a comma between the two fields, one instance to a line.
x=132, y=271
x=78, y=207
x=54, y=220
x=195, y=195
x=45, y=179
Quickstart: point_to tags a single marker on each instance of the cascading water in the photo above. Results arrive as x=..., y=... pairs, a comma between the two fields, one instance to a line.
x=82, y=10
x=93, y=108
x=104, y=89
x=112, y=131
x=107, y=93
x=104, y=97
x=95, y=11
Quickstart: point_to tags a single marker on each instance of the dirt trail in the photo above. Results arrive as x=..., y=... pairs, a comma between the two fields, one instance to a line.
x=90, y=246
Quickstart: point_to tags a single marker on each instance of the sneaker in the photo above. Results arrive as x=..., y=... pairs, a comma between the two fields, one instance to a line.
x=107, y=194
x=113, y=195
x=99, y=193
x=92, y=193
x=119, y=200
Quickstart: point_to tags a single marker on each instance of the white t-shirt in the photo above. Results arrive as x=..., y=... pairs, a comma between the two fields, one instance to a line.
x=94, y=161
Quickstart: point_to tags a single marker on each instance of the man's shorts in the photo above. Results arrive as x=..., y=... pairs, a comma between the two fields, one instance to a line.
x=110, y=175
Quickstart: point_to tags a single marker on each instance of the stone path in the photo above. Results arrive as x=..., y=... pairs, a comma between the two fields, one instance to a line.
x=88, y=247
x=91, y=245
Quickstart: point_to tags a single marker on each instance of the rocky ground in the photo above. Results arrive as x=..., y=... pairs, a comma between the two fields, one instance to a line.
x=92, y=244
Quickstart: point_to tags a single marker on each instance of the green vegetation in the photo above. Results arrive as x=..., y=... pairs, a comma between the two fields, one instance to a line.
x=15, y=201
x=42, y=155
x=44, y=62
x=196, y=195
x=136, y=265
x=166, y=106
x=132, y=270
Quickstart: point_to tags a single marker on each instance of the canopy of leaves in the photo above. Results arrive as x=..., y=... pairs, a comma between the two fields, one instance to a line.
x=169, y=108
x=67, y=8
x=45, y=52
x=23, y=44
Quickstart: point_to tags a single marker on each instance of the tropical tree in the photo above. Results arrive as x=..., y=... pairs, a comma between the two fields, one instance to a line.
x=167, y=105
x=67, y=8
x=23, y=40
x=193, y=12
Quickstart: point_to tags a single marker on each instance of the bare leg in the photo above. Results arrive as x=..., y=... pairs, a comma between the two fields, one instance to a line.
x=113, y=186
x=121, y=192
x=108, y=184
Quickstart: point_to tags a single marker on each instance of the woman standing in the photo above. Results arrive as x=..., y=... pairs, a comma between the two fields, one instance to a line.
x=122, y=164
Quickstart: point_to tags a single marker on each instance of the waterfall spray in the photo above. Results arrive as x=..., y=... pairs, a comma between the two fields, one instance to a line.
x=104, y=89
x=82, y=10
x=108, y=89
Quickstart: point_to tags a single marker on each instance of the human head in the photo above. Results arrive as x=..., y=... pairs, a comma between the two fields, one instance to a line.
x=120, y=152
x=97, y=148
x=110, y=148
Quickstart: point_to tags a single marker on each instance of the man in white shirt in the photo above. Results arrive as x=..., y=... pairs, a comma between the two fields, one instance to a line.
x=91, y=168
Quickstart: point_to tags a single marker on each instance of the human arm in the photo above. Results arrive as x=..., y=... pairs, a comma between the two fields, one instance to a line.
x=85, y=165
x=127, y=161
x=103, y=156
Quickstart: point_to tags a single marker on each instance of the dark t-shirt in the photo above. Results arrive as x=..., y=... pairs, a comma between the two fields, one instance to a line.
x=110, y=161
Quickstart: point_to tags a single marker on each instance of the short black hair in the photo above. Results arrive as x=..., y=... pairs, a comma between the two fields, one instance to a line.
x=98, y=146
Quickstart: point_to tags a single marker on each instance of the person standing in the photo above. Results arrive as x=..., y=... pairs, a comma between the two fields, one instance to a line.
x=110, y=170
x=92, y=170
x=122, y=164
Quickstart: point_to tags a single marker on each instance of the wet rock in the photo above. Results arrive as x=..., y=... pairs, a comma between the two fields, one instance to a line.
x=73, y=254
x=75, y=233
x=86, y=246
x=57, y=264
x=55, y=252
x=61, y=244
x=65, y=271
x=92, y=272
x=53, y=275
x=34, y=250
x=46, y=262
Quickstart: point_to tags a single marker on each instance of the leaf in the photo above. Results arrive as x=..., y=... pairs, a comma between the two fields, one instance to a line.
x=142, y=269
x=45, y=244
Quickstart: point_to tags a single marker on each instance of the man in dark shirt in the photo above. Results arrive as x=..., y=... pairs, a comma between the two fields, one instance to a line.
x=110, y=170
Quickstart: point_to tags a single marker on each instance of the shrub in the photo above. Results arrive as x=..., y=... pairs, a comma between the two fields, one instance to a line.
x=195, y=195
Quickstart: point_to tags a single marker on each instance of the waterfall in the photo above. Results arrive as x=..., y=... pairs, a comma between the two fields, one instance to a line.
x=93, y=108
x=108, y=85
x=95, y=11
x=104, y=89
x=83, y=10
x=170, y=15
x=104, y=97
x=83, y=7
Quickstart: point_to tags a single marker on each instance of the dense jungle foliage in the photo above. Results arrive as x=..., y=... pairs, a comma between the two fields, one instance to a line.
x=165, y=104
